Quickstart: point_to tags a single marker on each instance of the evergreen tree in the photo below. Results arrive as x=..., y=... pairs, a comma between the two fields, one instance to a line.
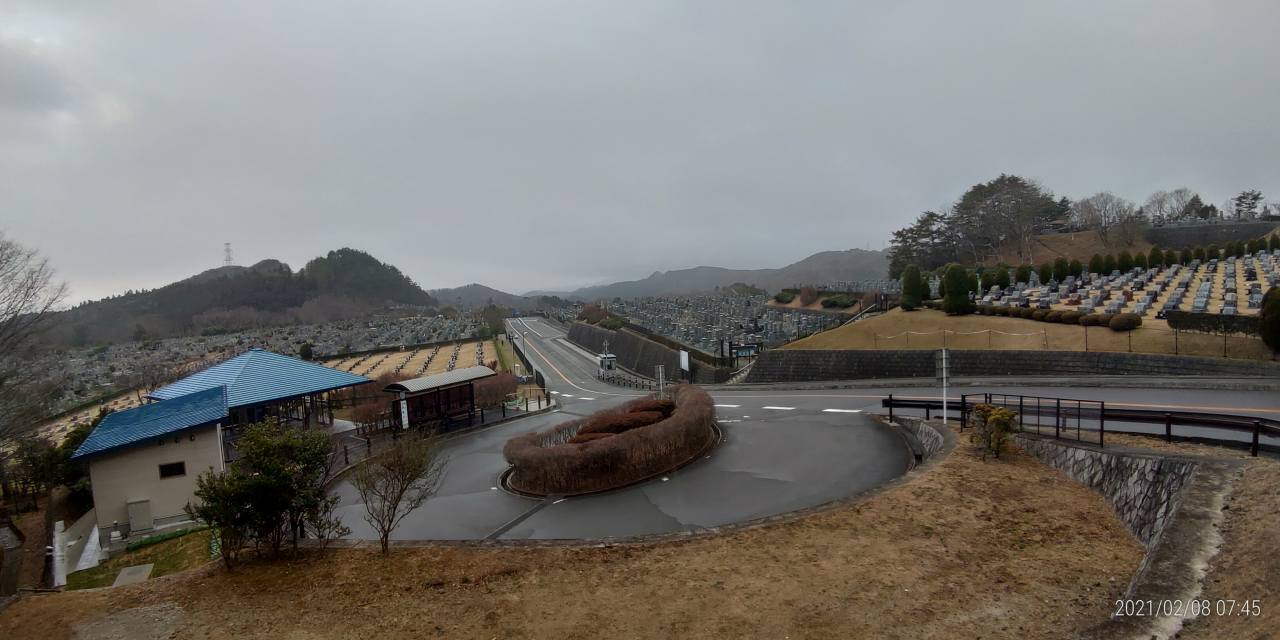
x=1140, y=261
x=1170, y=257
x=1125, y=262
x=1108, y=264
x=1076, y=268
x=1023, y=273
x=1045, y=272
x=1269, y=319
x=1061, y=269
x=956, y=283
x=1002, y=276
x=913, y=287
x=1156, y=259
x=1095, y=264
x=1212, y=252
x=1274, y=243
x=1199, y=254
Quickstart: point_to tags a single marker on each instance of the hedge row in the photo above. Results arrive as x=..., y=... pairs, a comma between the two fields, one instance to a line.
x=553, y=462
x=1117, y=322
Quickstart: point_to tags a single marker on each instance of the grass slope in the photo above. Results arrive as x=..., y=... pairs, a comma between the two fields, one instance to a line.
x=889, y=331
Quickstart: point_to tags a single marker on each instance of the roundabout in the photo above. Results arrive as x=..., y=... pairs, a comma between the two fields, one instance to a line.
x=769, y=465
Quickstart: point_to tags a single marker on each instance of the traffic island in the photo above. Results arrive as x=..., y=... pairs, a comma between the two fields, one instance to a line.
x=614, y=448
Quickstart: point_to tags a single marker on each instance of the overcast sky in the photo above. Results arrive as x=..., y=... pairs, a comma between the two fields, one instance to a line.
x=543, y=144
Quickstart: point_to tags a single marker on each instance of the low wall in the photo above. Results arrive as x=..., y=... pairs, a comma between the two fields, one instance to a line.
x=1201, y=235
x=931, y=441
x=802, y=365
x=1143, y=490
x=1172, y=505
x=640, y=355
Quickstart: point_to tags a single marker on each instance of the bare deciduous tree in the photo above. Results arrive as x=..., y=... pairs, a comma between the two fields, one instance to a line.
x=1168, y=206
x=1105, y=211
x=29, y=294
x=397, y=481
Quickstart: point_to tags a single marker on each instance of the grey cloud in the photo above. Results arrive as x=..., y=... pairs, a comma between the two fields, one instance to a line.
x=542, y=145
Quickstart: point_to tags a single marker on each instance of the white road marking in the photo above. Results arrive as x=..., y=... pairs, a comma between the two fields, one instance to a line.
x=728, y=406
x=565, y=395
x=585, y=398
x=555, y=393
x=842, y=410
x=780, y=408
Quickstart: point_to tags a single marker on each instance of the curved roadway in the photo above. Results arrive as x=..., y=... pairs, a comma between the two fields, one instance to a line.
x=783, y=450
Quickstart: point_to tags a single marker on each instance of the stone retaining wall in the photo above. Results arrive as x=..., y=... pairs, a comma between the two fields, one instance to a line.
x=928, y=436
x=802, y=365
x=1143, y=490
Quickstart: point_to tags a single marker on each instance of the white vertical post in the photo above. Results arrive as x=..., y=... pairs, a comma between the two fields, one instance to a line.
x=944, y=387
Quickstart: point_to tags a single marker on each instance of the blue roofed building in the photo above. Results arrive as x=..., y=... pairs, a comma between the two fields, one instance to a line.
x=143, y=462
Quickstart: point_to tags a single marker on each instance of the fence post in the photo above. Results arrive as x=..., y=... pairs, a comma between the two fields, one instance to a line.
x=964, y=410
x=1019, y=413
x=1257, y=428
x=1102, y=423
x=927, y=413
x=1057, y=419
x=1168, y=427
x=891, y=407
x=346, y=455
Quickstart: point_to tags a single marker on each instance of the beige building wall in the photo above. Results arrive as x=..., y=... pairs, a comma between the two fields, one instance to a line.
x=133, y=473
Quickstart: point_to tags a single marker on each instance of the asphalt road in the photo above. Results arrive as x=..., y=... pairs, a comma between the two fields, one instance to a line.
x=783, y=450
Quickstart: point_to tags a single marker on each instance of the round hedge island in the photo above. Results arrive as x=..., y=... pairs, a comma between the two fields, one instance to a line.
x=614, y=448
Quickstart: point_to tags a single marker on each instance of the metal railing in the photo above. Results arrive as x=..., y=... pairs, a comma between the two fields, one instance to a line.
x=1082, y=419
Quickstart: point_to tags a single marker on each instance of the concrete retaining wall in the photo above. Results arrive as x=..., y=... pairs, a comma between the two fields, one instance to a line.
x=800, y=365
x=1143, y=490
x=1202, y=235
x=639, y=354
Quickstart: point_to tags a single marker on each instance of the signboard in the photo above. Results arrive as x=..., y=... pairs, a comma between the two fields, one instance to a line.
x=404, y=412
x=684, y=360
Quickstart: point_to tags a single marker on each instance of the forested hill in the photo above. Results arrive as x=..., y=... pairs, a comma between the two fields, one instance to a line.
x=346, y=283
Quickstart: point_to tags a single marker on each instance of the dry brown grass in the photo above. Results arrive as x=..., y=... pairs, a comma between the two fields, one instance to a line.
x=887, y=332
x=1072, y=246
x=1001, y=549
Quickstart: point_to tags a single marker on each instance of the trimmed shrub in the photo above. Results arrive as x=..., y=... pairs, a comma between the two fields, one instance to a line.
x=588, y=437
x=1001, y=311
x=1053, y=316
x=784, y=297
x=956, y=301
x=1096, y=319
x=1071, y=317
x=1039, y=314
x=620, y=423
x=1125, y=322
x=651, y=404
x=1269, y=318
x=544, y=463
x=914, y=288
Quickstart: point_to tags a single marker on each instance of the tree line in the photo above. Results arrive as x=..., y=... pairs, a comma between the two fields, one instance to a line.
x=1010, y=211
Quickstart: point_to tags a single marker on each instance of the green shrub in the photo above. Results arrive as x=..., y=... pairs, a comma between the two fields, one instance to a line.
x=1125, y=322
x=1054, y=315
x=1001, y=311
x=914, y=288
x=1096, y=320
x=1070, y=317
x=161, y=537
x=956, y=301
x=784, y=297
x=992, y=427
x=612, y=323
x=1039, y=314
x=1269, y=319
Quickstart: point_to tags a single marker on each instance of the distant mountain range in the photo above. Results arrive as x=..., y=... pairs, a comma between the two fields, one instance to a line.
x=346, y=283
x=477, y=296
x=824, y=267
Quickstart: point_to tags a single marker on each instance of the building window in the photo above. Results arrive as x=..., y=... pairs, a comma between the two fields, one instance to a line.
x=173, y=470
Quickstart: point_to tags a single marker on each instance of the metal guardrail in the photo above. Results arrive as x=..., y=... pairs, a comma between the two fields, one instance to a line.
x=1066, y=409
